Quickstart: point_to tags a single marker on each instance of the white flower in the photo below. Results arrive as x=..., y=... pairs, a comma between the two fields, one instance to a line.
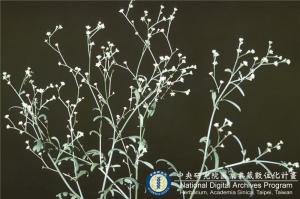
x=216, y=125
x=210, y=73
x=8, y=126
x=221, y=82
x=280, y=142
x=268, y=150
x=245, y=63
x=215, y=53
x=251, y=77
x=288, y=61
x=222, y=146
x=48, y=33
x=275, y=63
x=88, y=27
x=269, y=144
x=80, y=134
x=228, y=122
x=68, y=136
x=20, y=123
x=121, y=10
x=27, y=141
x=241, y=40
x=296, y=164
x=27, y=147
x=141, y=79
x=6, y=116
x=187, y=92
x=255, y=58
x=162, y=78
x=172, y=93
x=62, y=83
x=264, y=60
x=278, y=147
x=229, y=133
x=252, y=51
x=40, y=90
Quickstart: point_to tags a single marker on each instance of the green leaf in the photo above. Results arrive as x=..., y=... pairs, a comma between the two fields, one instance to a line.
x=225, y=176
x=241, y=146
x=259, y=151
x=93, y=152
x=93, y=131
x=97, y=118
x=148, y=164
x=137, y=96
x=201, y=150
x=81, y=173
x=55, y=138
x=115, y=166
x=171, y=166
x=234, y=104
x=121, y=152
x=38, y=146
x=265, y=167
x=94, y=165
x=134, y=138
x=141, y=118
x=174, y=184
x=240, y=89
x=204, y=140
x=151, y=109
x=216, y=157
x=213, y=97
x=64, y=159
x=227, y=70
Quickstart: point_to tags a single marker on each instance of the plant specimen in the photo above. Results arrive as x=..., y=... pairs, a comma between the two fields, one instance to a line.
x=243, y=70
x=67, y=155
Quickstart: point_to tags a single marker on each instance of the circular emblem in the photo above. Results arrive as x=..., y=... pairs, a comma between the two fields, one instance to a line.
x=158, y=183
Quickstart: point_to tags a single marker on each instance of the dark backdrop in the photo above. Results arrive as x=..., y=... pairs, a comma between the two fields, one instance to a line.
x=271, y=108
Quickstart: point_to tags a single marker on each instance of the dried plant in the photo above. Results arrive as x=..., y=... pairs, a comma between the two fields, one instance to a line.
x=126, y=150
x=243, y=70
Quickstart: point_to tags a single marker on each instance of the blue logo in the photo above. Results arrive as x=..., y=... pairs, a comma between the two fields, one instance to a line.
x=158, y=183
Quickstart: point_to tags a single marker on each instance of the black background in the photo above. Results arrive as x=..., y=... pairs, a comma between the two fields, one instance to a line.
x=271, y=108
